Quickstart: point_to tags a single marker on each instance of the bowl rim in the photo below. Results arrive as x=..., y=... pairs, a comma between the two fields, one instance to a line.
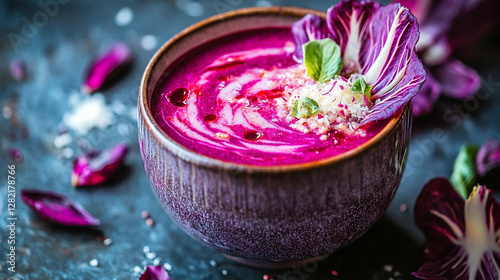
x=203, y=160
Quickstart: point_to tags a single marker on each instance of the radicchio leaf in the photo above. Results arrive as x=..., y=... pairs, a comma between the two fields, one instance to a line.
x=457, y=80
x=379, y=42
x=57, y=208
x=461, y=237
x=154, y=273
x=97, y=167
x=106, y=66
x=309, y=28
x=423, y=102
x=488, y=157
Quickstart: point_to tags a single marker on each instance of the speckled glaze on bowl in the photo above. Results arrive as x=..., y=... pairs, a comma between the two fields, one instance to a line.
x=272, y=216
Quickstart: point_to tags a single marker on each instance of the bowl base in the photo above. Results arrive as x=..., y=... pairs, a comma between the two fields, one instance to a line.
x=265, y=264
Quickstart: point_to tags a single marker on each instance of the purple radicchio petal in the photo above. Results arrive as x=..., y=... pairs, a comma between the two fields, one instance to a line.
x=57, y=208
x=349, y=25
x=97, y=167
x=436, y=18
x=457, y=80
x=424, y=101
x=106, y=66
x=461, y=237
x=310, y=27
x=379, y=42
x=488, y=157
x=154, y=273
x=477, y=18
x=18, y=69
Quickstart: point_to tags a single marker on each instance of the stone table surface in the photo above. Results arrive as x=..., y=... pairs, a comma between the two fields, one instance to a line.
x=58, y=43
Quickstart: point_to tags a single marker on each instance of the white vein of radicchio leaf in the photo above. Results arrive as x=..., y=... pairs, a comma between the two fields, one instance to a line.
x=478, y=240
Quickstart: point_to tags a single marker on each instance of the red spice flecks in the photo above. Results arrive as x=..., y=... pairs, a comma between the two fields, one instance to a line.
x=341, y=87
x=403, y=207
x=342, y=112
x=252, y=135
x=267, y=94
x=335, y=273
x=210, y=118
x=15, y=154
x=320, y=116
x=178, y=97
x=340, y=105
x=353, y=99
x=150, y=222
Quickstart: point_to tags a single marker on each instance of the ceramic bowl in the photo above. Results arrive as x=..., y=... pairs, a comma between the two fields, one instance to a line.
x=272, y=216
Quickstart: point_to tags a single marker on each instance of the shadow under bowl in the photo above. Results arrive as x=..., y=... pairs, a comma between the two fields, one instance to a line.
x=267, y=216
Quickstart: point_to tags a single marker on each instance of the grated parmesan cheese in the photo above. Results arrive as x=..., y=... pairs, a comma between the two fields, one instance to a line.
x=340, y=108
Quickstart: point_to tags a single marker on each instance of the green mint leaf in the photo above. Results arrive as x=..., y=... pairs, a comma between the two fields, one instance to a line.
x=360, y=86
x=322, y=59
x=464, y=174
x=304, y=108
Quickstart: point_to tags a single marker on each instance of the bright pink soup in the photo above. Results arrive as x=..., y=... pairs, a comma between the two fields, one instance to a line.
x=190, y=104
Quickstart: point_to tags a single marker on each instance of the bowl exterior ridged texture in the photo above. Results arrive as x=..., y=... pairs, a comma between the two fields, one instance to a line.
x=278, y=216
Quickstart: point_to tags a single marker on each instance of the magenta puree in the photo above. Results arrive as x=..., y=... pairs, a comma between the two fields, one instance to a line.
x=190, y=104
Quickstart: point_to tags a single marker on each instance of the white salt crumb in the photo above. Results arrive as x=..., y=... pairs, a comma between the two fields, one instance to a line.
x=167, y=266
x=224, y=272
x=151, y=255
x=7, y=112
x=213, y=263
x=90, y=113
x=156, y=261
x=124, y=16
x=118, y=108
x=263, y=3
x=61, y=141
x=107, y=241
x=146, y=249
x=388, y=267
x=137, y=269
x=191, y=8
x=148, y=42
x=68, y=153
x=123, y=129
x=94, y=262
x=133, y=113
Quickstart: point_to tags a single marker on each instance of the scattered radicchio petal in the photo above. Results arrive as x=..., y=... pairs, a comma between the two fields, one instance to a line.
x=423, y=102
x=97, y=167
x=154, y=273
x=310, y=27
x=57, y=208
x=461, y=236
x=488, y=157
x=379, y=42
x=106, y=66
x=18, y=69
x=457, y=80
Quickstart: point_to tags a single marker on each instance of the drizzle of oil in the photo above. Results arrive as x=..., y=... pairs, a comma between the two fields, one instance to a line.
x=178, y=97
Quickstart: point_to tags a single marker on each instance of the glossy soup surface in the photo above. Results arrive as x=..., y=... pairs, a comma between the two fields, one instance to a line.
x=217, y=102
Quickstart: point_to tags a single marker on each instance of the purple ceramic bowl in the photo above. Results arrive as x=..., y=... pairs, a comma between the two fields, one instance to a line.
x=268, y=216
